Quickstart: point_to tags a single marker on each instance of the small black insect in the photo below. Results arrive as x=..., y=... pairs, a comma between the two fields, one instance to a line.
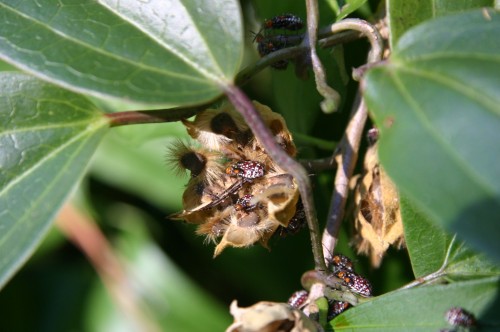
x=246, y=169
x=284, y=21
x=298, y=299
x=457, y=316
x=355, y=282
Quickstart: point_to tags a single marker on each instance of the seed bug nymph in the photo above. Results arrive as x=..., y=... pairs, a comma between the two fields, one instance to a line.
x=246, y=170
x=284, y=21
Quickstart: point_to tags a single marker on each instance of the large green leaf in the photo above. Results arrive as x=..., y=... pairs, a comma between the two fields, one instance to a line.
x=47, y=137
x=432, y=250
x=402, y=15
x=423, y=308
x=147, y=52
x=437, y=105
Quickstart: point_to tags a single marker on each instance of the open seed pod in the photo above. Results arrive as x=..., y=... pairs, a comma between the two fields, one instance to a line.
x=378, y=221
x=249, y=197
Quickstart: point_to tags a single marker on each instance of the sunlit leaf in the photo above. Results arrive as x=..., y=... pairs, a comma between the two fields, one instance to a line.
x=437, y=106
x=423, y=308
x=150, y=53
x=402, y=15
x=46, y=140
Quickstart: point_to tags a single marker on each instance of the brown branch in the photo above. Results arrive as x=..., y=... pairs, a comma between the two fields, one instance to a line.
x=280, y=157
x=349, y=146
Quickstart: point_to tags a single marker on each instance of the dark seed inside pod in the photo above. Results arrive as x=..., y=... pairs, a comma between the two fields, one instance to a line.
x=194, y=162
x=223, y=124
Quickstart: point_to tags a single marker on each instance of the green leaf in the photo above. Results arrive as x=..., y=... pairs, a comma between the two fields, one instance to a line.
x=350, y=7
x=423, y=308
x=432, y=250
x=438, y=109
x=427, y=243
x=152, y=53
x=46, y=140
x=403, y=15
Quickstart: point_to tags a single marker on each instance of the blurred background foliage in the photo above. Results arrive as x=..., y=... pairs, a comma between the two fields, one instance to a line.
x=130, y=190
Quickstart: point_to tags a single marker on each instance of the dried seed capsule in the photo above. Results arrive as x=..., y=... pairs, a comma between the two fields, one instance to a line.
x=284, y=21
x=298, y=299
x=335, y=308
x=457, y=316
x=340, y=262
x=355, y=282
x=246, y=169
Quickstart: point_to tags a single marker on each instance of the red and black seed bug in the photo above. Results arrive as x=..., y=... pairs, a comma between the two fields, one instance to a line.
x=244, y=203
x=284, y=21
x=246, y=170
x=298, y=299
x=457, y=316
x=340, y=262
x=335, y=308
x=355, y=282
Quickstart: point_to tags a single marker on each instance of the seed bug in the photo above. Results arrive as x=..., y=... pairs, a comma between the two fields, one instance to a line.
x=340, y=262
x=355, y=282
x=335, y=308
x=284, y=21
x=298, y=299
x=457, y=316
x=246, y=170
x=245, y=203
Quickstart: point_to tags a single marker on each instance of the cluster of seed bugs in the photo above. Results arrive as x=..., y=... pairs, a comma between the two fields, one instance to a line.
x=236, y=194
x=343, y=268
x=278, y=33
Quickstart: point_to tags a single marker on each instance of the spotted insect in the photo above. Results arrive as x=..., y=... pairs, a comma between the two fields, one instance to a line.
x=284, y=21
x=355, y=282
x=335, y=308
x=298, y=299
x=339, y=263
x=247, y=170
x=244, y=203
x=457, y=316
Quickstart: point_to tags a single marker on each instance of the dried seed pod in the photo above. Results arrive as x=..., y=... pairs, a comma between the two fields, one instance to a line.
x=378, y=222
x=457, y=316
x=202, y=163
x=251, y=196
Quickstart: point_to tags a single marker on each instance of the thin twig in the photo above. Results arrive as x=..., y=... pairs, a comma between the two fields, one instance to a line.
x=349, y=146
x=153, y=116
x=284, y=54
x=332, y=98
x=280, y=157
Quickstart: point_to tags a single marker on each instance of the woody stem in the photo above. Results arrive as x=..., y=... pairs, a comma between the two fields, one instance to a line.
x=280, y=157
